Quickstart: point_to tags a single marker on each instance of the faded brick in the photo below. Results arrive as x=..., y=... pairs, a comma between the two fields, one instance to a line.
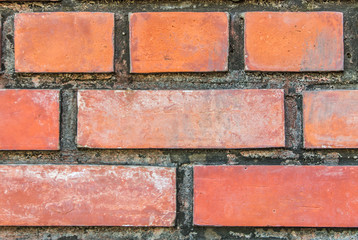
x=69, y=195
x=330, y=119
x=181, y=119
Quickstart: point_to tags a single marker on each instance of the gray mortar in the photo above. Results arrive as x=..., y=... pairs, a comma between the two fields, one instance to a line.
x=184, y=160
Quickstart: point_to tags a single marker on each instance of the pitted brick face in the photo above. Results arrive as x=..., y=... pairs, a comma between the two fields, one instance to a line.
x=29, y=119
x=294, y=41
x=61, y=42
x=179, y=42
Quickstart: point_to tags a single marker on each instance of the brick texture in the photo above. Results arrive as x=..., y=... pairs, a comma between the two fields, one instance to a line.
x=181, y=119
x=64, y=42
x=330, y=119
x=29, y=119
x=294, y=41
x=65, y=195
x=179, y=42
x=161, y=119
x=303, y=196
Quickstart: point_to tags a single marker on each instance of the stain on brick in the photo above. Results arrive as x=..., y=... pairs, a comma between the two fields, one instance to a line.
x=69, y=195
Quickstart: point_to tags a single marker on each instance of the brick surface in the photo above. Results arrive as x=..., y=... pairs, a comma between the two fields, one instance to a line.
x=304, y=196
x=29, y=119
x=64, y=42
x=330, y=119
x=69, y=195
x=179, y=42
x=288, y=41
x=181, y=119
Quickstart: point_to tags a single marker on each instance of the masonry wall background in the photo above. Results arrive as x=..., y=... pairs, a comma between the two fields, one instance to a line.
x=183, y=159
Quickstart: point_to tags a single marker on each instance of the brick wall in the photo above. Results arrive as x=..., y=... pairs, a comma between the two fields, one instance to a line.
x=179, y=120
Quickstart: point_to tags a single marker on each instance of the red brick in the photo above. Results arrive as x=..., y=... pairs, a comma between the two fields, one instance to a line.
x=179, y=42
x=330, y=119
x=69, y=195
x=64, y=42
x=29, y=119
x=294, y=41
x=302, y=196
x=181, y=119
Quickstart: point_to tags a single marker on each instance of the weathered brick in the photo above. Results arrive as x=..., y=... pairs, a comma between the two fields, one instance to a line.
x=29, y=119
x=303, y=196
x=181, y=119
x=330, y=119
x=64, y=42
x=69, y=195
x=179, y=42
x=294, y=41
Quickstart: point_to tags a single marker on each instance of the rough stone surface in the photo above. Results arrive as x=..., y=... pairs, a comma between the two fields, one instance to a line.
x=235, y=78
x=64, y=42
x=181, y=119
x=179, y=42
x=294, y=41
x=29, y=119
x=68, y=195
x=291, y=196
x=330, y=119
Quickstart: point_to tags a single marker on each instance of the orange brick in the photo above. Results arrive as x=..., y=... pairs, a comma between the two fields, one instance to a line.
x=64, y=42
x=179, y=42
x=181, y=119
x=302, y=196
x=330, y=119
x=69, y=195
x=29, y=119
x=294, y=41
